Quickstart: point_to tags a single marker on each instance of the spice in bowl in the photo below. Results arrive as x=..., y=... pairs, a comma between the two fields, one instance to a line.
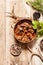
x=24, y=31
x=36, y=15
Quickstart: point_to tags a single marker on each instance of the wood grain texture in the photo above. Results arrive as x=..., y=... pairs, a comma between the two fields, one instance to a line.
x=2, y=32
x=21, y=10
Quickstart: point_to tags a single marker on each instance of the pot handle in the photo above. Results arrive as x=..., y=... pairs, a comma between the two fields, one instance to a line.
x=11, y=15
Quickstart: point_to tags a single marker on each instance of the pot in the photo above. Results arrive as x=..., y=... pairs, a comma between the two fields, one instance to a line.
x=24, y=22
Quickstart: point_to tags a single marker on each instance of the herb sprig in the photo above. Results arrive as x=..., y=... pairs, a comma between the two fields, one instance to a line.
x=39, y=26
x=37, y=4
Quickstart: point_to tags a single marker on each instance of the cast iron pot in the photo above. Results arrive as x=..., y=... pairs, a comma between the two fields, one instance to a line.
x=19, y=20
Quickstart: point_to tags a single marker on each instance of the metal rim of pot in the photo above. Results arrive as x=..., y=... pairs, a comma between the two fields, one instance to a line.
x=18, y=20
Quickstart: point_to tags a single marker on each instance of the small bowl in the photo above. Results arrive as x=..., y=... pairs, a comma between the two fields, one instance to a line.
x=41, y=44
x=17, y=32
x=36, y=15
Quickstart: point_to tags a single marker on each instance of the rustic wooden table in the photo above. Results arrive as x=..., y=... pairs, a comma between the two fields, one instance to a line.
x=2, y=32
x=21, y=10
